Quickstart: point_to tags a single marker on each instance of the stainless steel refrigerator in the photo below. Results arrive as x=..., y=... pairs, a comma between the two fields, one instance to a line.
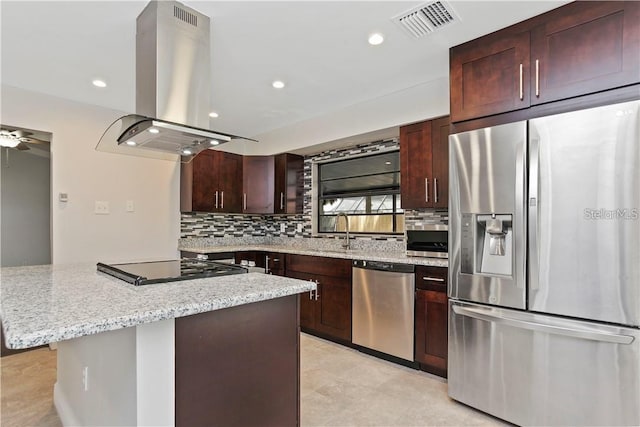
x=544, y=268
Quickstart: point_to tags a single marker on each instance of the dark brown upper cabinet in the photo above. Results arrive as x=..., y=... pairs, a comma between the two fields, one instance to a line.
x=489, y=76
x=581, y=48
x=258, y=184
x=424, y=164
x=211, y=182
x=585, y=47
x=440, y=161
x=215, y=181
x=289, y=184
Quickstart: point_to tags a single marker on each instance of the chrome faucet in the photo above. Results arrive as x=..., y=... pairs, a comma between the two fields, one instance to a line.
x=346, y=245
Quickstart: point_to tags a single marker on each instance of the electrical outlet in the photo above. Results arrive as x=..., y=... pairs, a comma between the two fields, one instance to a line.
x=85, y=378
x=282, y=228
x=130, y=206
x=299, y=228
x=101, y=207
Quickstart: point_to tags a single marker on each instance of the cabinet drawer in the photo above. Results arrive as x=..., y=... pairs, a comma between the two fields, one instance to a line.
x=336, y=267
x=432, y=278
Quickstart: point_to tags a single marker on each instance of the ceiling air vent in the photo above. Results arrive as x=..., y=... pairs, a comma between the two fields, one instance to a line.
x=426, y=18
x=185, y=16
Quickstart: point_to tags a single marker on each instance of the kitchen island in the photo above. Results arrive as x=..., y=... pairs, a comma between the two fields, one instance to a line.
x=220, y=350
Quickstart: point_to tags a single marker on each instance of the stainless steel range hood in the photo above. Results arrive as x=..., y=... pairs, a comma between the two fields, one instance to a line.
x=172, y=88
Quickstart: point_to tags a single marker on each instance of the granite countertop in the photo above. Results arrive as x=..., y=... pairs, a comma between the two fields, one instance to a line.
x=49, y=303
x=367, y=255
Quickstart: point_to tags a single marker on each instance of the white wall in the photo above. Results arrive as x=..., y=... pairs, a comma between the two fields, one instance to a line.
x=79, y=235
x=424, y=101
x=26, y=231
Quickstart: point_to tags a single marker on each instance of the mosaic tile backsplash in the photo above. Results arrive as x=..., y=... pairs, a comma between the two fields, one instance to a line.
x=210, y=225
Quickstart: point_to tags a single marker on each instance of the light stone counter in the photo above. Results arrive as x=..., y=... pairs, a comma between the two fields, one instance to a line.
x=49, y=303
x=367, y=255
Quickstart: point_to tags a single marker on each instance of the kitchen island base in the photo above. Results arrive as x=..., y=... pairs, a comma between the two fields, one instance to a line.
x=235, y=366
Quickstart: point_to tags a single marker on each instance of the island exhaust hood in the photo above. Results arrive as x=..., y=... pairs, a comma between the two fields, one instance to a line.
x=172, y=88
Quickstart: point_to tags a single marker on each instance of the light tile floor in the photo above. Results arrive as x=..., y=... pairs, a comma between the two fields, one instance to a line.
x=339, y=387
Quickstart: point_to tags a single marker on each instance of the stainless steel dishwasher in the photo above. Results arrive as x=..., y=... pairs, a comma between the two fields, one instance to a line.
x=382, y=309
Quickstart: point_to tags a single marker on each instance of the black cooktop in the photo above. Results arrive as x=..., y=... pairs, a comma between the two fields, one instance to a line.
x=146, y=273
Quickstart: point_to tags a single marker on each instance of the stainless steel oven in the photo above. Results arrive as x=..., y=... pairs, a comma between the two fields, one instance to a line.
x=427, y=240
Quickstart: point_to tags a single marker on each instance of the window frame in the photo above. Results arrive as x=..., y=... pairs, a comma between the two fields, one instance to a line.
x=315, y=198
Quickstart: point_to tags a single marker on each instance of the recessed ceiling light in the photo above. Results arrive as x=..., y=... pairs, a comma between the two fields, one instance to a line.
x=213, y=114
x=387, y=163
x=376, y=39
x=214, y=142
x=99, y=83
x=131, y=143
x=278, y=84
x=153, y=130
x=186, y=152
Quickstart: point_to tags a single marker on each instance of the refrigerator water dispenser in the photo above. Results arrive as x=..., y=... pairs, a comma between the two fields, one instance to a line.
x=487, y=239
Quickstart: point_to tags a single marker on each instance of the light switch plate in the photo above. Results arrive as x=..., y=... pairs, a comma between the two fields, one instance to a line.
x=130, y=206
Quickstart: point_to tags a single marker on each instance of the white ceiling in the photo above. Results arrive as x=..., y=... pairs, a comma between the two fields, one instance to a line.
x=319, y=49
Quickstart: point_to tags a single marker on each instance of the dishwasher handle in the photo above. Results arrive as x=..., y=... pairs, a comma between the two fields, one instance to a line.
x=384, y=266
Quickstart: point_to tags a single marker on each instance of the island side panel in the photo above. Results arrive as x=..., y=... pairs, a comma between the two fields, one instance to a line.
x=155, y=373
x=239, y=366
x=96, y=379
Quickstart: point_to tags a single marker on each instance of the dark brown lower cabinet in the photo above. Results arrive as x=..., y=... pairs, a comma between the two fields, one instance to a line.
x=326, y=311
x=431, y=319
x=431, y=331
x=239, y=366
x=275, y=263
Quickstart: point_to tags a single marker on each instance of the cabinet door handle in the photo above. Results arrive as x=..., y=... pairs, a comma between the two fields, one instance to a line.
x=266, y=264
x=245, y=201
x=537, y=78
x=311, y=295
x=222, y=200
x=435, y=190
x=281, y=200
x=216, y=200
x=318, y=289
x=521, y=82
x=433, y=279
x=426, y=190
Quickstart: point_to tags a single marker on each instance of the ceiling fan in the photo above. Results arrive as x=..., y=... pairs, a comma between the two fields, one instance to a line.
x=18, y=139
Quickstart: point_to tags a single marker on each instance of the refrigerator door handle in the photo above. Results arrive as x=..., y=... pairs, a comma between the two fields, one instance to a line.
x=534, y=166
x=588, y=334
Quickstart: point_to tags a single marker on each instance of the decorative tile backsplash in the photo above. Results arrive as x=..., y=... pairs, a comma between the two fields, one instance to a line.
x=210, y=225
x=207, y=225
x=426, y=216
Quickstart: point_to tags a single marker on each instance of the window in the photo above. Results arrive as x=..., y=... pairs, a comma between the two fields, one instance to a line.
x=366, y=189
